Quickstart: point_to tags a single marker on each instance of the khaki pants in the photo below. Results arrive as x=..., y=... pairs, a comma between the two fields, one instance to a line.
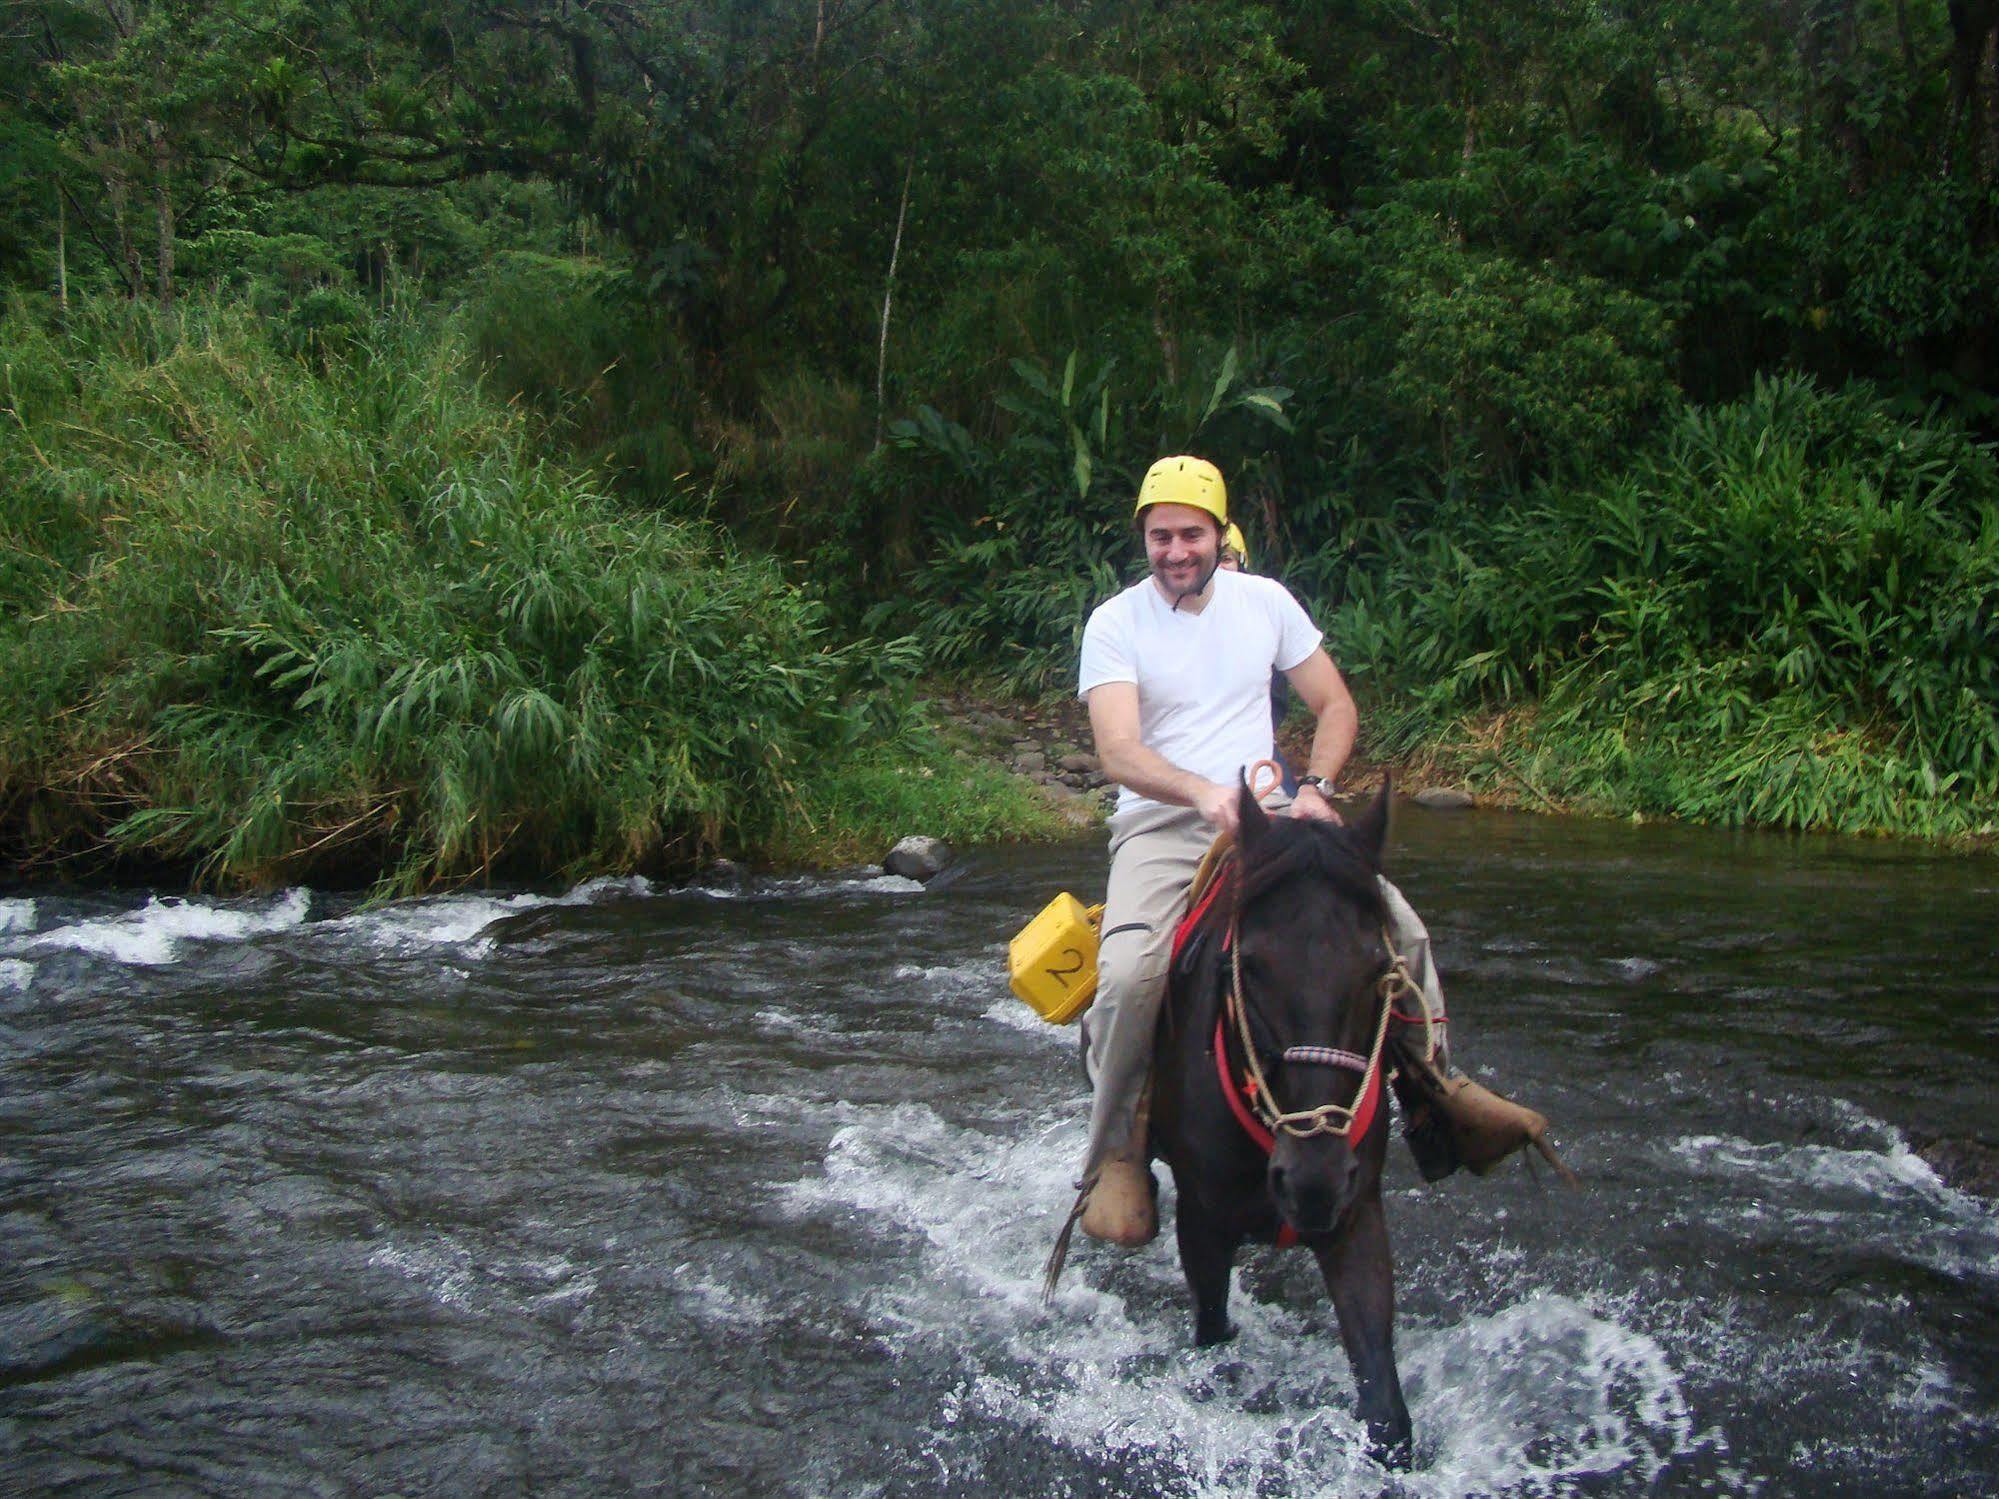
x=1154, y=853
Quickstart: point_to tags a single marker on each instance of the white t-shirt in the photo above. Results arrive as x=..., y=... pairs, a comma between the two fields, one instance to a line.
x=1203, y=679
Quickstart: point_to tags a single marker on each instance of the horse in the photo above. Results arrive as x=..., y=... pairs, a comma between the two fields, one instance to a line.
x=1268, y=1078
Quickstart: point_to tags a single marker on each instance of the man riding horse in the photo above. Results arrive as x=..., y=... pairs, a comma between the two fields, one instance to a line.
x=1176, y=670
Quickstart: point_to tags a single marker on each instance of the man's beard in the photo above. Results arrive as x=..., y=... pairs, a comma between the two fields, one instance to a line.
x=1179, y=592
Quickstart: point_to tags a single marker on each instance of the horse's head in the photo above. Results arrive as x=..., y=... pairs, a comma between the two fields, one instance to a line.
x=1312, y=957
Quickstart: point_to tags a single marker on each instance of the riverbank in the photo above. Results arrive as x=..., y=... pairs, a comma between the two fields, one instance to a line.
x=1492, y=760
x=335, y=612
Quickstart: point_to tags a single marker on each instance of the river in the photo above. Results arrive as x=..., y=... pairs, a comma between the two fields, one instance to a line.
x=745, y=1189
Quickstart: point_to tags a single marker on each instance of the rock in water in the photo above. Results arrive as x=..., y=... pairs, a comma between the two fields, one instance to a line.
x=1966, y=1164
x=918, y=858
x=1443, y=799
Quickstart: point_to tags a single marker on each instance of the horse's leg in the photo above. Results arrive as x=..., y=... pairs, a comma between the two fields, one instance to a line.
x=1207, y=1254
x=1362, y=1284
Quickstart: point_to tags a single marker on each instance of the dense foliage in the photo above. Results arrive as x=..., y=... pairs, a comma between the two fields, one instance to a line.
x=1528, y=334
x=1780, y=611
x=284, y=619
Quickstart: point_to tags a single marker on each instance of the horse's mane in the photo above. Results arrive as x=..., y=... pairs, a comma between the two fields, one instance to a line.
x=1292, y=848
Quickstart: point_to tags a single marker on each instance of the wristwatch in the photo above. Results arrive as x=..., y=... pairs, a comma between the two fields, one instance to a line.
x=1324, y=783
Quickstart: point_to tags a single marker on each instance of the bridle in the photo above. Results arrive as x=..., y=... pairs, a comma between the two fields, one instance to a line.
x=1342, y=1121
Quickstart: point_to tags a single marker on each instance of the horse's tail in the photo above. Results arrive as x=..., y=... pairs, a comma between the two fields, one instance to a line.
x=1059, y=1255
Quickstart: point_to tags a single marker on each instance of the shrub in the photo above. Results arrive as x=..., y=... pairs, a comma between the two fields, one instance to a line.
x=349, y=619
x=1781, y=611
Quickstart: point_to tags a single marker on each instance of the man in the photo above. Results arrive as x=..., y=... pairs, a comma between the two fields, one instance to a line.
x=1176, y=671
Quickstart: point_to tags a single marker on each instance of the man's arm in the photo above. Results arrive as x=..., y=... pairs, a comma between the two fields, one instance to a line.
x=1324, y=692
x=1126, y=760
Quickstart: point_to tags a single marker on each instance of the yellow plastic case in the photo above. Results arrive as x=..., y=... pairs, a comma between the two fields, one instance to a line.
x=1052, y=963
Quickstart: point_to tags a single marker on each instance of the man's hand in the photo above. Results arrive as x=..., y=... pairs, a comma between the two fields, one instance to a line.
x=1218, y=807
x=1311, y=805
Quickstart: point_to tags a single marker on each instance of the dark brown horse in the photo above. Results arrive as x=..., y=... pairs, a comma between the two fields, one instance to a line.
x=1279, y=997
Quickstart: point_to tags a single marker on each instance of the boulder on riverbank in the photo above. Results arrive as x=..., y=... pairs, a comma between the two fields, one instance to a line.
x=919, y=858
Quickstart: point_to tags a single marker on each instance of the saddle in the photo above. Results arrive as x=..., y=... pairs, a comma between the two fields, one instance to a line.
x=1188, y=942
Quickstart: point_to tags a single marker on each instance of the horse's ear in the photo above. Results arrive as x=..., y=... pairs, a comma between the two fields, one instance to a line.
x=1251, y=820
x=1370, y=829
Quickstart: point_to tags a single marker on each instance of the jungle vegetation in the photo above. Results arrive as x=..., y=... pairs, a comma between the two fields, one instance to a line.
x=451, y=437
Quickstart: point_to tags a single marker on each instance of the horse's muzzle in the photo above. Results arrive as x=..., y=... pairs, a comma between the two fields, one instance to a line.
x=1313, y=1181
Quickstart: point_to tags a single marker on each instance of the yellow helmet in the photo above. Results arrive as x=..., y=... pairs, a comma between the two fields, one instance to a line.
x=1185, y=480
x=1232, y=541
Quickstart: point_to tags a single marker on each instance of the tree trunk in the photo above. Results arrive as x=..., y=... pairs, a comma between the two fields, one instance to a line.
x=1902, y=35
x=1466, y=150
x=1829, y=46
x=888, y=295
x=163, y=212
x=1974, y=82
x=1990, y=101
x=1169, y=346
x=118, y=192
x=62, y=254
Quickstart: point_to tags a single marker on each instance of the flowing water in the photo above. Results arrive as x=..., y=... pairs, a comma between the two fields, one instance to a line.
x=746, y=1190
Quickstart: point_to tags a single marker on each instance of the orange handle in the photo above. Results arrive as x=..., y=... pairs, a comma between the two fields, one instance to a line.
x=1265, y=777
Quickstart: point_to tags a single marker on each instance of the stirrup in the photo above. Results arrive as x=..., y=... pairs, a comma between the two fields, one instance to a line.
x=1427, y=1133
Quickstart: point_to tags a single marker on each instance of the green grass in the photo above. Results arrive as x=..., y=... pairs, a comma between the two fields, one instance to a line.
x=860, y=808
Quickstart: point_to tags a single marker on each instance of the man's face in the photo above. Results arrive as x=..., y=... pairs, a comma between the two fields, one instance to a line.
x=1181, y=543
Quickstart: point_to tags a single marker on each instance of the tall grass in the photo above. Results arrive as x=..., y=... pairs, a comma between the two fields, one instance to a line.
x=579, y=343
x=271, y=617
x=1781, y=612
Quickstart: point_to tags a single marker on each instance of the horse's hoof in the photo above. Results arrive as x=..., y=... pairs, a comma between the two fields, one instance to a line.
x=1397, y=1453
